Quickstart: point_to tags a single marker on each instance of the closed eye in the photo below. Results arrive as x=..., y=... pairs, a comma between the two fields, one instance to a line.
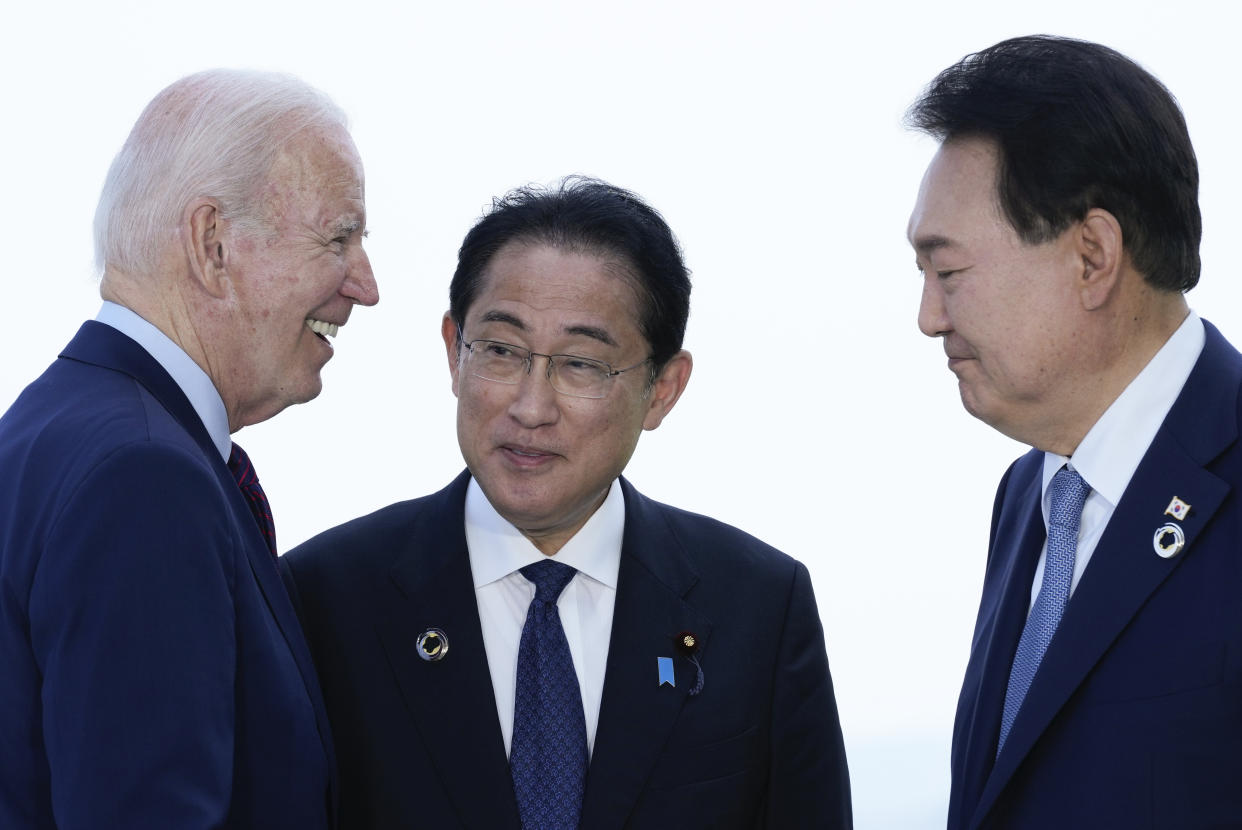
x=942, y=274
x=344, y=233
x=584, y=363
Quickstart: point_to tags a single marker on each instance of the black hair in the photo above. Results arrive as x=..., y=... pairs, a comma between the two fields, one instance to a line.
x=1078, y=126
x=587, y=215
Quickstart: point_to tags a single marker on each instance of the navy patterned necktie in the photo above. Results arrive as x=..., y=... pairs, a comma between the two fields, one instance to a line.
x=248, y=481
x=1069, y=493
x=548, y=755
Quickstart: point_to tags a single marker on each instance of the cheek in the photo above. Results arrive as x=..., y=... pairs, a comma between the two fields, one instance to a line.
x=478, y=403
x=618, y=432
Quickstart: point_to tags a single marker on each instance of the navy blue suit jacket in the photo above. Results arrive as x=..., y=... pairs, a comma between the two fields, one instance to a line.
x=419, y=743
x=153, y=673
x=1134, y=718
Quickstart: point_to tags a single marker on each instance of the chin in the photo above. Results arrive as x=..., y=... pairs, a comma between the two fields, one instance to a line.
x=301, y=394
x=525, y=511
x=972, y=406
x=310, y=388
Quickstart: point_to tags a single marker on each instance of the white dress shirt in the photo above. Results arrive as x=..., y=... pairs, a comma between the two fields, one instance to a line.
x=498, y=550
x=187, y=374
x=1111, y=451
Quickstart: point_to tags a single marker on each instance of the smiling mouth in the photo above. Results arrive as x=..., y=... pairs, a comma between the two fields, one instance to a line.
x=322, y=328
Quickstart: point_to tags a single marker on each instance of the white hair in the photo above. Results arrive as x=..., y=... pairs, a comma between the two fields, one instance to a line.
x=212, y=134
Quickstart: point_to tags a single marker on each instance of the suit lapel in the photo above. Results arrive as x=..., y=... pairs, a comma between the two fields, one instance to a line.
x=450, y=702
x=101, y=345
x=1124, y=569
x=636, y=713
x=1017, y=540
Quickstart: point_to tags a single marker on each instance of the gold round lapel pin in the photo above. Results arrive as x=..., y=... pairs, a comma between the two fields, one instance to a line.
x=432, y=645
x=1168, y=541
x=687, y=644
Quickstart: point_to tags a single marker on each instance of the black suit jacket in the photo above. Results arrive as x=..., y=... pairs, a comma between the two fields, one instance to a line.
x=419, y=743
x=1134, y=718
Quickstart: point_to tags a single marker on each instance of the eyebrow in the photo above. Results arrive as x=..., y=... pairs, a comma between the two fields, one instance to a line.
x=346, y=227
x=502, y=317
x=593, y=332
x=928, y=244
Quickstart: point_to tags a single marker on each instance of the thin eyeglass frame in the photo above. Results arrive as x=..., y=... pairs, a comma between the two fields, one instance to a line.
x=529, y=360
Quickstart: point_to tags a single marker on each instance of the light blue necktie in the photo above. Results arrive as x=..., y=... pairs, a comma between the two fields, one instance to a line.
x=1069, y=493
x=548, y=755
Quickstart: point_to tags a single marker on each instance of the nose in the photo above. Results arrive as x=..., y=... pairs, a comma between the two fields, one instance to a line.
x=535, y=402
x=360, y=283
x=933, y=319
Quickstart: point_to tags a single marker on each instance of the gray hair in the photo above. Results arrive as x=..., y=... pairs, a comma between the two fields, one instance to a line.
x=214, y=134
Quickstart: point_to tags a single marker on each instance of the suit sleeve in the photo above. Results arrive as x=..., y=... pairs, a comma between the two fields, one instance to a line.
x=132, y=624
x=808, y=783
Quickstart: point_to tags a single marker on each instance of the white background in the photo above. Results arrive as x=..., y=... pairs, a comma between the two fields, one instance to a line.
x=818, y=418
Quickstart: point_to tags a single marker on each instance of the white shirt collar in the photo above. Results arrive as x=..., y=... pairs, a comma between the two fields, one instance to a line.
x=497, y=548
x=187, y=374
x=1111, y=451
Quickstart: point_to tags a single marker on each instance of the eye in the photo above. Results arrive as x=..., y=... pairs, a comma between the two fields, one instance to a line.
x=493, y=349
x=344, y=234
x=580, y=370
x=580, y=363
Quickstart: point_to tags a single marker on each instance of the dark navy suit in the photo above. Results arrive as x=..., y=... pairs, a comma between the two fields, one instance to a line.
x=420, y=744
x=1134, y=719
x=152, y=674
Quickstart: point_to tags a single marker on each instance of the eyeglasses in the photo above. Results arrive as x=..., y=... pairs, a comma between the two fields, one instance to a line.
x=577, y=377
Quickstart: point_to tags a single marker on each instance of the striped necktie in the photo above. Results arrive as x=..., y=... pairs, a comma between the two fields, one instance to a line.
x=248, y=481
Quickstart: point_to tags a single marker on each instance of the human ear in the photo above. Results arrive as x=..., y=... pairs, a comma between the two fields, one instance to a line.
x=667, y=388
x=1100, y=246
x=452, y=347
x=205, y=246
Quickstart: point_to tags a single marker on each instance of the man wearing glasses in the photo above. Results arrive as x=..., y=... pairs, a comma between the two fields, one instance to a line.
x=538, y=645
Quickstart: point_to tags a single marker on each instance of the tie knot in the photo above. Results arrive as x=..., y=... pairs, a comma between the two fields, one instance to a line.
x=1069, y=492
x=550, y=579
x=241, y=468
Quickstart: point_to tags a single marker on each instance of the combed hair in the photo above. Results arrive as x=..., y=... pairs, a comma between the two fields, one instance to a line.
x=590, y=216
x=1078, y=126
x=213, y=134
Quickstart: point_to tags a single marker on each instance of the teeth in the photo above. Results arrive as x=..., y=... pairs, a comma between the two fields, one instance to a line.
x=321, y=327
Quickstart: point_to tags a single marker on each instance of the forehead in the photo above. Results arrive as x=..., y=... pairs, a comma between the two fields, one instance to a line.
x=318, y=169
x=548, y=287
x=957, y=198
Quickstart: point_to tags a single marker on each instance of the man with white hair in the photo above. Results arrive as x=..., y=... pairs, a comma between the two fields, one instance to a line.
x=155, y=674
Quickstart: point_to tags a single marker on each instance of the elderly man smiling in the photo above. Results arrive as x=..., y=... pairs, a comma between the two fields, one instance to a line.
x=538, y=645
x=155, y=675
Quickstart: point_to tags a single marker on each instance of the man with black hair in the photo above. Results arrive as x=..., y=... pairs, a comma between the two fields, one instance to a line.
x=1057, y=230
x=538, y=645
